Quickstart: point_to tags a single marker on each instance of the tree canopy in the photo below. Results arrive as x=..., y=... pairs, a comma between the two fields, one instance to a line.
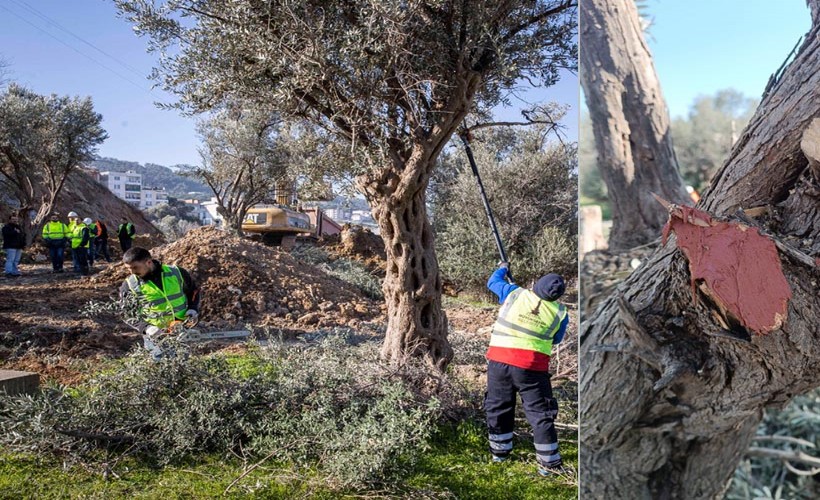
x=383, y=74
x=42, y=139
x=392, y=79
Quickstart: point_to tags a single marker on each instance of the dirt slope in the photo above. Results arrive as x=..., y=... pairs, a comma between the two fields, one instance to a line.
x=88, y=198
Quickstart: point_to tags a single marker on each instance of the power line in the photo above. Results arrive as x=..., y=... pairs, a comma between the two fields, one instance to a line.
x=27, y=6
x=115, y=72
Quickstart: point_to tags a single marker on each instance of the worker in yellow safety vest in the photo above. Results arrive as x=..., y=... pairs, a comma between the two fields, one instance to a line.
x=163, y=294
x=55, y=236
x=78, y=234
x=529, y=323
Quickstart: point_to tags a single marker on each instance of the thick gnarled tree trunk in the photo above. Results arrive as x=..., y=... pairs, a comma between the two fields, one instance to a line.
x=630, y=121
x=417, y=324
x=671, y=400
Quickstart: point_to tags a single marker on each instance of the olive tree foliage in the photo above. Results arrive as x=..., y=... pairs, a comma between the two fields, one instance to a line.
x=783, y=460
x=241, y=162
x=174, y=218
x=704, y=138
x=42, y=140
x=393, y=79
x=532, y=187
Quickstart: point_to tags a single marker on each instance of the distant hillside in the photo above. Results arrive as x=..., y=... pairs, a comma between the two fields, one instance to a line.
x=154, y=175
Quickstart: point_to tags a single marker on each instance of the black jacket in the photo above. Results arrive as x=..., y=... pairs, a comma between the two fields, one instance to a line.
x=13, y=236
x=123, y=232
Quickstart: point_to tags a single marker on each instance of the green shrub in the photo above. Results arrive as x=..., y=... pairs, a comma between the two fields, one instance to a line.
x=532, y=188
x=327, y=407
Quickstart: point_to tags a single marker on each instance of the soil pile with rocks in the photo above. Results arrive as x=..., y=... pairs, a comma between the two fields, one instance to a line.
x=245, y=281
x=357, y=243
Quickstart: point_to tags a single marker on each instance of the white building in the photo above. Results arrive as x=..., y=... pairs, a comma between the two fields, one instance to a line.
x=211, y=206
x=363, y=217
x=152, y=197
x=199, y=211
x=126, y=185
x=339, y=214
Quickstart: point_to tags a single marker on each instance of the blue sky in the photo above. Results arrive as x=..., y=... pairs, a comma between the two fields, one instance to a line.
x=702, y=46
x=37, y=38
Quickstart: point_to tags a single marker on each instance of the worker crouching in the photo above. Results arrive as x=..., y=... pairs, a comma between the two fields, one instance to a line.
x=163, y=295
x=529, y=323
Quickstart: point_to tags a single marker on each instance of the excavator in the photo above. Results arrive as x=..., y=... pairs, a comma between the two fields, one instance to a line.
x=277, y=224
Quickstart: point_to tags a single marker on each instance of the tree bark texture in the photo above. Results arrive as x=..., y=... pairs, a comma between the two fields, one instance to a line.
x=671, y=399
x=630, y=121
x=417, y=324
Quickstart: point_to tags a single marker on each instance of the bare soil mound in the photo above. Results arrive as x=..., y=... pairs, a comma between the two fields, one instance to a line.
x=357, y=243
x=246, y=281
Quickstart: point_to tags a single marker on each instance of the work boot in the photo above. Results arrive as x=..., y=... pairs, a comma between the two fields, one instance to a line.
x=557, y=470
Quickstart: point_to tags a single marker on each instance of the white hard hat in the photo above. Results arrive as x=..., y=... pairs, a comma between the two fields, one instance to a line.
x=73, y=214
x=87, y=220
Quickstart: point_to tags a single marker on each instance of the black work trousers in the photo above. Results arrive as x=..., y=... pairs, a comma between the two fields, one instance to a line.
x=503, y=382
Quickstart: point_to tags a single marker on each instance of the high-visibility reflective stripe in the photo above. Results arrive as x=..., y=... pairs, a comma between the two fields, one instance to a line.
x=559, y=315
x=501, y=437
x=548, y=458
x=546, y=447
x=503, y=322
x=501, y=446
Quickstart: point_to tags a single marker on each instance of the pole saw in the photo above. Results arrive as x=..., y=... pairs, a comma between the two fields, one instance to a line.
x=465, y=138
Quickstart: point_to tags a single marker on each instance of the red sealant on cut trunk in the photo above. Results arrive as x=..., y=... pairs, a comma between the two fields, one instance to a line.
x=739, y=266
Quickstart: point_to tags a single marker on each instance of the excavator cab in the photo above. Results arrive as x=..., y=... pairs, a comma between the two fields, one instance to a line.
x=276, y=225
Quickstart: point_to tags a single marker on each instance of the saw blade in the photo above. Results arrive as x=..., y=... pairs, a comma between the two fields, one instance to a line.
x=198, y=336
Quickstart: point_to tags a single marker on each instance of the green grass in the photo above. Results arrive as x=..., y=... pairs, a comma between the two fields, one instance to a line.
x=479, y=300
x=30, y=477
x=457, y=463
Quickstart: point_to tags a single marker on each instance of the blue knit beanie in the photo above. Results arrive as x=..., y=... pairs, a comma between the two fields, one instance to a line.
x=549, y=287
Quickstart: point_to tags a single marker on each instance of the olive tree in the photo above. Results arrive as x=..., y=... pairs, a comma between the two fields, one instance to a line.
x=707, y=134
x=392, y=78
x=630, y=121
x=42, y=140
x=241, y=161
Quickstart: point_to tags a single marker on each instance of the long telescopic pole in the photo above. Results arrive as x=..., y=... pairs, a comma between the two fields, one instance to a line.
x=465, y=138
